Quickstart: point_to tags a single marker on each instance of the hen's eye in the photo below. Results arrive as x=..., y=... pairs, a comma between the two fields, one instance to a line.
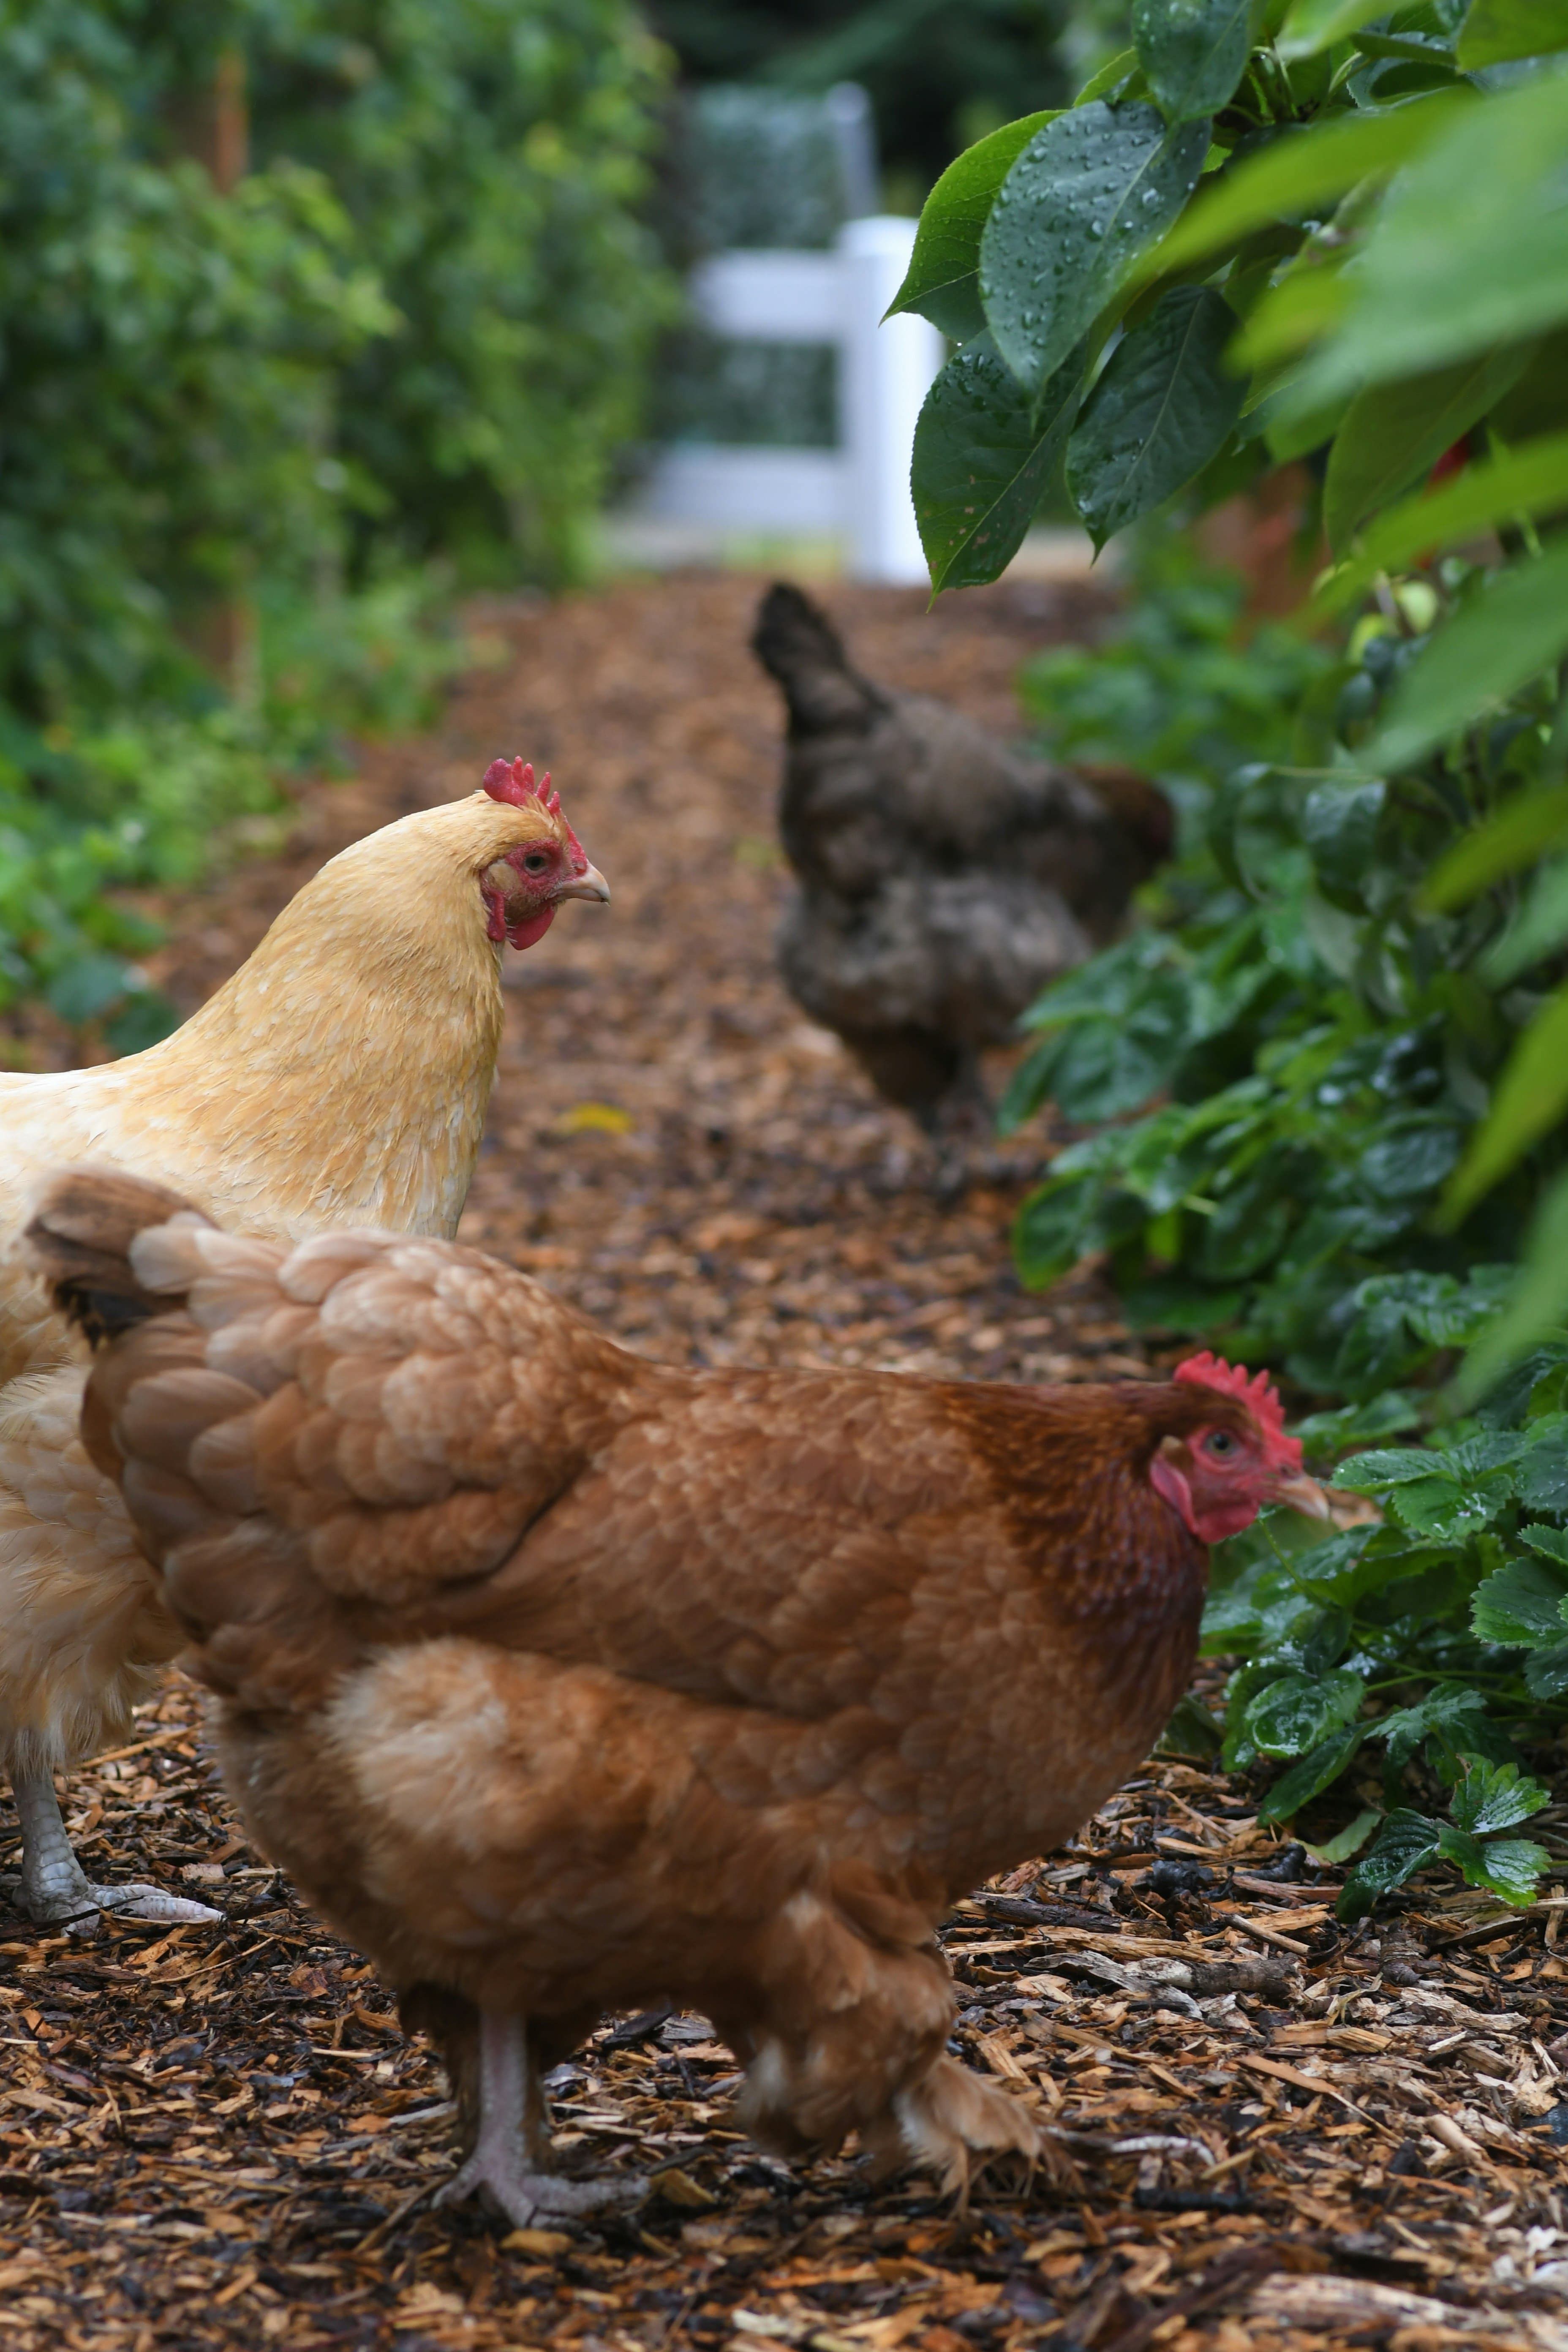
x=537, y=861
x=1220, y=1443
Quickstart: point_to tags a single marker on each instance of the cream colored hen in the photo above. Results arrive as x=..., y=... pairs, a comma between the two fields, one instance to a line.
x=339, y=1079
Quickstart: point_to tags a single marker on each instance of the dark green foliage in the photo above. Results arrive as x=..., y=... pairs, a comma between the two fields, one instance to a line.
x=1462, y=1590
x=1324, y=1039
x=209, y=399
x=1337, y=1059
x=1161, y=411
x=168, y=359
x=491, y=155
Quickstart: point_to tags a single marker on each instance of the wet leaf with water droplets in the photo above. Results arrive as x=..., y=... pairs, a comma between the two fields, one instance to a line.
x=1163, y=409
x=1192, y=51
x=942, y=281
x=983, y=453
x=1070, y=220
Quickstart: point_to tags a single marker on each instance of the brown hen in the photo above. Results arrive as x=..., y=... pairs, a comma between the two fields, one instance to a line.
x=562, y=1681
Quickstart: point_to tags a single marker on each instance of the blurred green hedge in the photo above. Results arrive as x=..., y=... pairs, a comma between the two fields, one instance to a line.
x=235, y=423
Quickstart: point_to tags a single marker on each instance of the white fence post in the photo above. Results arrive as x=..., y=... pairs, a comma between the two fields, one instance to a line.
x=885, y=372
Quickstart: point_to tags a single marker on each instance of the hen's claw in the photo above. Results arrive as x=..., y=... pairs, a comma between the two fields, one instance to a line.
x=141, y=1902
x=54, y=1891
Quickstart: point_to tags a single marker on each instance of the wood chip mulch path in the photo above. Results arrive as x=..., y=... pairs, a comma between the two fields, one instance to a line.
x=1276, y=2131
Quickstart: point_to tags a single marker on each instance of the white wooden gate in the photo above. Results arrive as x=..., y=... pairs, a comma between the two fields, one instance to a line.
x=860, y=490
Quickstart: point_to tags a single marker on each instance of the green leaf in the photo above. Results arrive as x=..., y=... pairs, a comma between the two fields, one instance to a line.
x=1552, y=1543
x=1490, y=1797
x=1484, y=653
x=1406, y=1843
x=1540, y=1301
x=943, y=282
x=1298, y=1713
x=1512, y=836
x=1053, y=1229
x=1090, y=193
x=1528, y=1102
x=1452, y=1711
x=983, y=454
x=1546, y=1672
x=1348, y=1841
x=1115, y=70
x=1536, y=928
x=1340, y=825
x=1371, y=1473
x=1194, y=52
x=1314, y=25
x=1497, y=31
x=1310, y=1777
x=1506, y=1866
x=1191, y=1731
x=1540, y=1472
x=1163, y=407
x=1522, y=1605
x=1301, y=174
x=1393, y=433
x=1470, y=252
x=1530, y=480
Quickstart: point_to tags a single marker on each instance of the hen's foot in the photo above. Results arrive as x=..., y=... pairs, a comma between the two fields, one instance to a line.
x=55, y=1891
x=80, y=1904
x=527, y=2197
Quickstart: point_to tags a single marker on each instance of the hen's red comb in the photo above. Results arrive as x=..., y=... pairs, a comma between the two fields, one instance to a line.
x=513, y=781
x=1259, y=1394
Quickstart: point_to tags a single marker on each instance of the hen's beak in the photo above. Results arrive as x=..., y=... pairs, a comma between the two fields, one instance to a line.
x=589, y=884
x=1304, y=1495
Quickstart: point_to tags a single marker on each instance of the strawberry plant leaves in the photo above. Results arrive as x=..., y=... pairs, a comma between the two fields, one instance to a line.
x=1348, y=1841
x=1369, y=1473
x=1163, y=409
x=1406, y=1843
x=1521, y=1604
x=1297, y=1713
x=1313, y=1774
x=944, y=278
x=1194, y=53
x=1509, y=1867
x=1089, y=194
x=984, y=452
x=1491, y=1797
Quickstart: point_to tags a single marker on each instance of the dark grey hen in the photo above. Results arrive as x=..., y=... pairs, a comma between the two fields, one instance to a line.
x=945, y=877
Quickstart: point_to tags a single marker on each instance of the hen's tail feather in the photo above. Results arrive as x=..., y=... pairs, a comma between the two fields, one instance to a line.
x=797, y=644
x=81, y=1237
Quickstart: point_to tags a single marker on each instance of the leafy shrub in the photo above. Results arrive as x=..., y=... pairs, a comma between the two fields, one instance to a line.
x=492, y=155
x=1348, y=1041
x=168, y=358
x=209, y=397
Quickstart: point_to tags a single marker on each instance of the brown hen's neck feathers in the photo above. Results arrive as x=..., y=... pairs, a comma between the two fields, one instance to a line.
x=1070, y=1469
